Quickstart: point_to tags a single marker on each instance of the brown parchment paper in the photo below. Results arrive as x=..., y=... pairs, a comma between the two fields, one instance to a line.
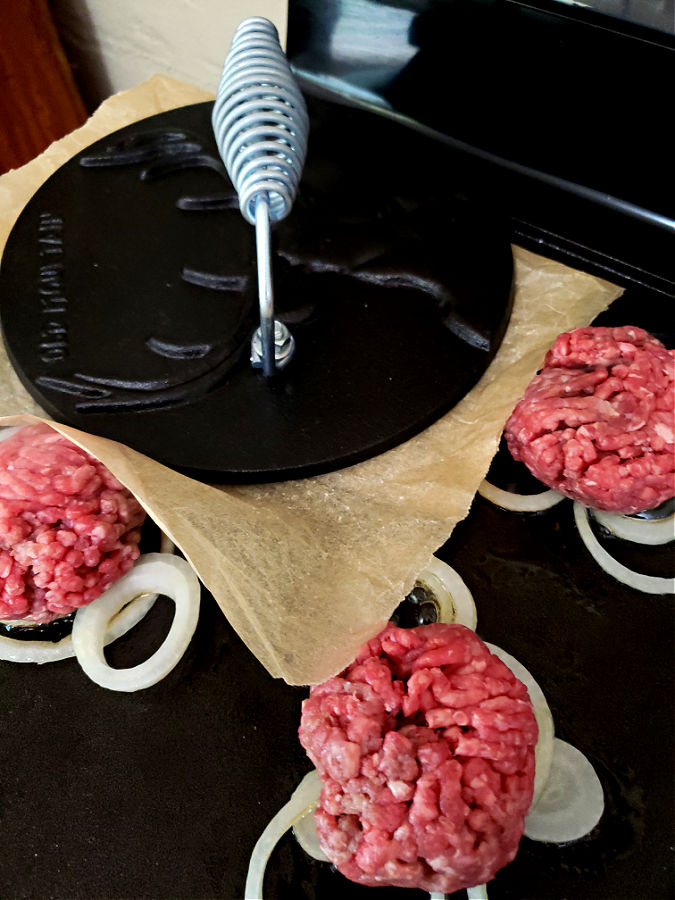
x=307, y=570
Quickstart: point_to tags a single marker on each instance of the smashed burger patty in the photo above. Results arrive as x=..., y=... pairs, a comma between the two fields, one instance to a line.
x=425, y=747
x=596, y=423
x=68, y=528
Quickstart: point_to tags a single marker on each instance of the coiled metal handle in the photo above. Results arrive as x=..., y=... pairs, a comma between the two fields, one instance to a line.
x=261, y=125
x=260, y=120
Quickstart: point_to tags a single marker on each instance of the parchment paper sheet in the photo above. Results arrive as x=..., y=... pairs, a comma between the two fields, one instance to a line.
x=307, y=570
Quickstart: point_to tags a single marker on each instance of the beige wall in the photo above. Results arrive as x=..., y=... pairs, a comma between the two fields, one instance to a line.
x=115, y=44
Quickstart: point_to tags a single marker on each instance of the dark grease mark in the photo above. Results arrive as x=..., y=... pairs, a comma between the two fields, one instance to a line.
x=51, y=632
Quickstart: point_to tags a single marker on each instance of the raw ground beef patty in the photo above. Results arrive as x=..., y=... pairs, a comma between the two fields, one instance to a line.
x=425, y=747
x=68, y=528
x=596, y=423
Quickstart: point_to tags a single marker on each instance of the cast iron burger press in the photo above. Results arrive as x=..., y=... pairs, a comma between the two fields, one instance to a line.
x=132, y=304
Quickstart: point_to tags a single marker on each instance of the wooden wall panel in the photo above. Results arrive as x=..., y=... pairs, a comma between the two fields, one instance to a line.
x=39, y=100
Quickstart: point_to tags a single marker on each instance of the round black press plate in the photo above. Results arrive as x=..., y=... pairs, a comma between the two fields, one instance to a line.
x=128, y=295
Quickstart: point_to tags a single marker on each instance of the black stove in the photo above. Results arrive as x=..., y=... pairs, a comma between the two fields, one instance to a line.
x=556, y=113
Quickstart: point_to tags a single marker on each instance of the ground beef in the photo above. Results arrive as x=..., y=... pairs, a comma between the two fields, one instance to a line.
x=68, y=528
x=596, y=423
x=425, y=747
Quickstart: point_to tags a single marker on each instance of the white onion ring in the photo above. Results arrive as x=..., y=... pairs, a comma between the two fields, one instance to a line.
x=304, y=828
x=479, y=892
x=6, y=431
x=14, y=650
x=168, y=575
x=305, y=833
x=543, y=751
x=649, y=584
x=519, y=502
x=43, y=651
x=573, y=801
x=166, y=545
x=303, y=800
x=455, y=602
x=641, y=531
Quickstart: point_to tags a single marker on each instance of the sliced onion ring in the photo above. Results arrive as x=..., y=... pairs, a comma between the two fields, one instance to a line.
x=44, y=651
x=650, y=584
x=304, y=829
x=303, y=800
x=543, y=751
x=454, y=599
x=572, y=802
x=6, y=431
x=479, y=892
x=168, y=575
x=519, y=502
x=14, y=650
x=166, y=545
x=641, y=531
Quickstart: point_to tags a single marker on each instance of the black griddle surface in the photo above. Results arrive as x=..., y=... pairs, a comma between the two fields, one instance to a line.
x=162, y=794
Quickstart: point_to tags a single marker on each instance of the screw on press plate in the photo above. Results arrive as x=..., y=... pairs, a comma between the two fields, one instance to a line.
x=284, y=346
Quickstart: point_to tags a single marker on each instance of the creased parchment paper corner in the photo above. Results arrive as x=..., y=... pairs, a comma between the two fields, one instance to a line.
x=307, y=570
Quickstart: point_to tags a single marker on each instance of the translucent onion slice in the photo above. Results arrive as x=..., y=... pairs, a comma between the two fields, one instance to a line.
x=42, y=651
x=304, y=829
x=479, y=892
x=572, y=802
x=167, y=575
x=166, y=545
x=641, y=531
x=455, y=602
x=8, y=430
x=519, y=502
x=303, y=800
x=14, y=650
x=306, y=835
x=649, y=584
x=543, y=751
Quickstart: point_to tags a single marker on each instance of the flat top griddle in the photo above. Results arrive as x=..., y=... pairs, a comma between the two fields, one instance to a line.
x=161, y=795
